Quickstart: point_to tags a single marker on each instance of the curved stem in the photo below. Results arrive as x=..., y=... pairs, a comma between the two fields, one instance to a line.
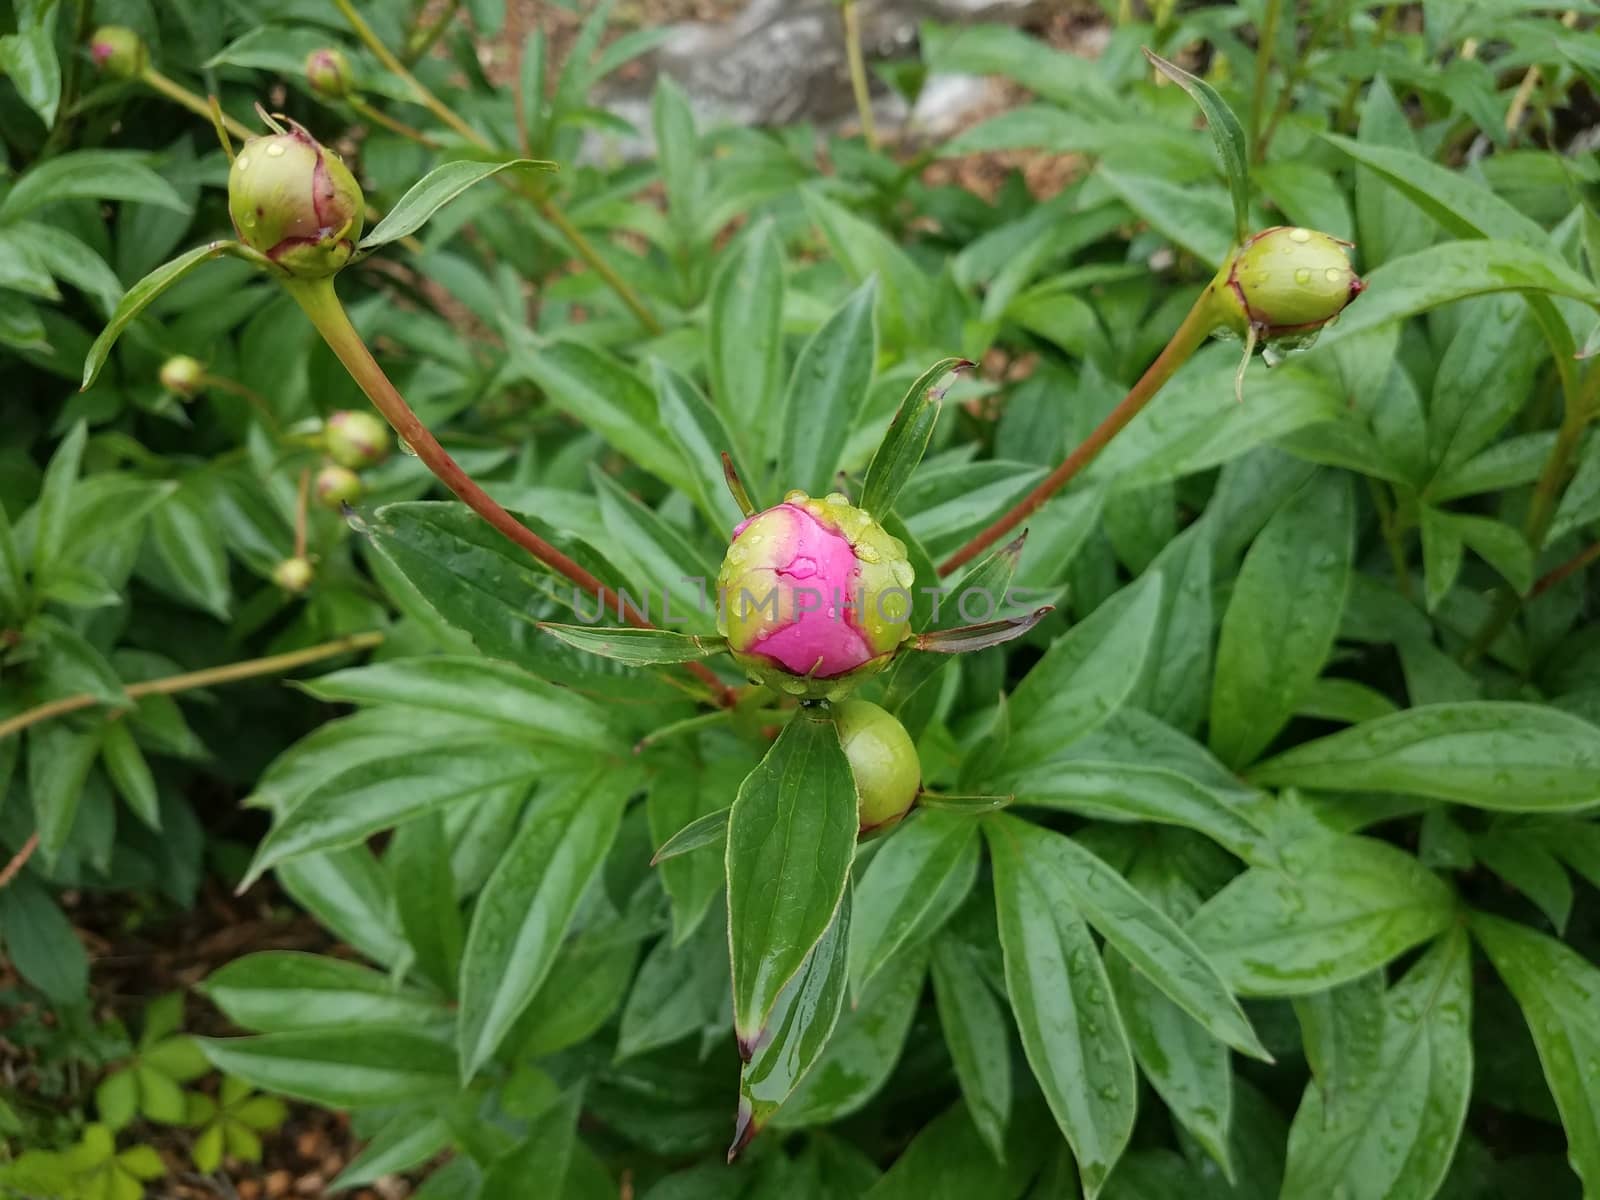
x=252, y=397
x=183, y=97
x=321, y=304
x=301, y=505
x=1578, y=562
x=547, y=207
x=19, y=859
x=251, y=668
x=1193, y=331
x=378, y=117
x=858, y=72
x=423, y=37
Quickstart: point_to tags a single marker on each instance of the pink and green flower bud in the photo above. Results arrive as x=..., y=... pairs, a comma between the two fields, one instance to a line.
x=336, y=486
x=183, y=376
x=356, y=439
x=883, y=760
x=293, y=575
x=118, y=52
x=1286, y=281
x=292, y=199
x=814, y=596
x=328, y=73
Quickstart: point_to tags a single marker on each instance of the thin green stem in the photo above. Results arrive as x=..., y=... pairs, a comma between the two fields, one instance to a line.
x=273, y=664
x=183, y=97
x=547, y=207
x=1266, y=36
x=1189, y=336
x=320, y=303
x=424, y=36
x=858, y=71
x=378, y=117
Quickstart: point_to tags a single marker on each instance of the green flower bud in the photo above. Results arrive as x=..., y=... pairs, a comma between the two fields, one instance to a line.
x=883, y=760
x=356, y=439
x=118, y=52
x=814, y=596
x=293, y=575
x=328, y=73
x=336, y=486
x=183, y=375
x=1285, y=281
x=292, y=199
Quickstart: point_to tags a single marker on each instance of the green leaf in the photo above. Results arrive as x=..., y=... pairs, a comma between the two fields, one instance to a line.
x=40, y=944
x=418, y=860
x=367, y=797
x=186, y=537
x=138, y=298
x=1388, y=222
x=528, y=903
x=436, y=189
x=28, y=59
x=1559, y=992
x=638, y=647
x=59, y=760
x=868, y=254
x=975, y=1034
x=1226, y=132
x=1451, y=271
x=791, y=838
x=826, y=391
x=678, y=157
x=406, y=1140
x=1271, y=648
x=745, y=333
x=703, y=439
x=126, y=765
x=708, y=830
x=1464, y=207
x=902, y=448
x=801, y=1020
x=912, y=885
x=1195, y=218
x=1340, y=907
x=862, y=1049
x=349, y=1067
x=1085, y=675
x=89, y=175
x=1490, y=754
x=1517, y=854
x=679, y=991
x=348, y=892
x=54, y=506
x=1061, y=999
x=600, y=393
x=1342, y=1031
x=1395, y=1134
x=285, y=991
x=544, y=1154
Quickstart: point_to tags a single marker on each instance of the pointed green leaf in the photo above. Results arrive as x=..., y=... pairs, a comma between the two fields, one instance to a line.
x=903, y=446
x=140, y=295
x=826, y=392
x=1340, y=907
x=436, y=189
x=528, y=903
x=349, y=1067
x=1061, y=999
x=1226, y=132
x=638, y=647
x=975, y=1033
x=791, y=838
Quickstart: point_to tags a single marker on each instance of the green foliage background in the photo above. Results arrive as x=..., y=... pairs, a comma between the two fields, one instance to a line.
x=1263, y=866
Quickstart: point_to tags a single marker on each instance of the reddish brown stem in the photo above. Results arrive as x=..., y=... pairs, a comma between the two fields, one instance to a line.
x=19, y=860
x=1580, y=560
x=1196, y=326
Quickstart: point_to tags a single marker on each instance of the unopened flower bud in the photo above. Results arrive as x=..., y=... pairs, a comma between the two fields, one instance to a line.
x=328, y=73
x=1286, y=280
x=814, y=596
x=183, y=375
x=293, y=575
x=336, y=486
x=883, y=760
x=118, y=52
x=356, y=439
x=292, y=199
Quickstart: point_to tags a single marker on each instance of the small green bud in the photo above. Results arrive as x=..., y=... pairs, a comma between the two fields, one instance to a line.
x=328, y=73
x=183, y=376
x=883, y=760
x=356, y=439
x=292, y=199
x=293, y=575
x=118, y=52
x=1285, y=281
x=336, y=486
